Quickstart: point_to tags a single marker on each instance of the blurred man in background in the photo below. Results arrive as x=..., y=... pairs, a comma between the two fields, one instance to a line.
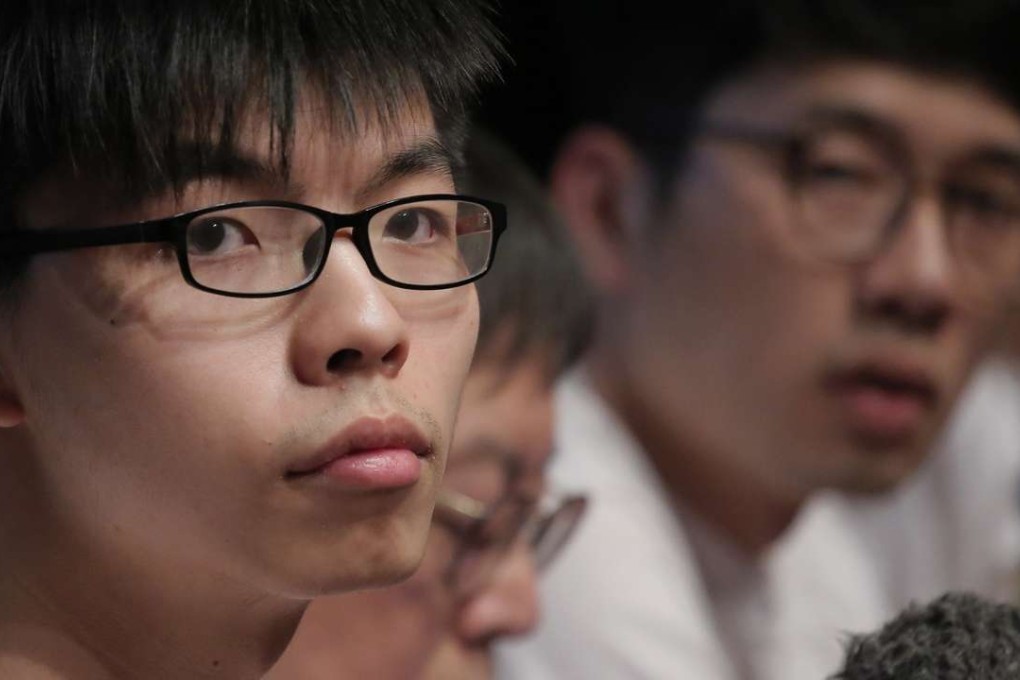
x=496, y=522
x=803, y=219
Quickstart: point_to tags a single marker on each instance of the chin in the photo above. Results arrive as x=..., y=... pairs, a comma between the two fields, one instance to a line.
x=870, y=465
x=881, y=473
x=395, y=570
x=390, y=559
x=378, y=572
x=371, y=554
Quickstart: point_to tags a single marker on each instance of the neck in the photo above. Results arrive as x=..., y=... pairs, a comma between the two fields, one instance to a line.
x=93, y=624
x=725, y=495
x=89, y=608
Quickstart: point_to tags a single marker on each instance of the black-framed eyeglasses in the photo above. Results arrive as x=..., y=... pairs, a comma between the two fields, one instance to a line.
x=260, y=249
x=485, y=532
x=852, y=184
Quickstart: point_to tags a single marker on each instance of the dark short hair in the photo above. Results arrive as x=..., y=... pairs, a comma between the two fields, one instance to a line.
x=535, y=299
x=646, y=67
x=136, y=89
x=958, y=636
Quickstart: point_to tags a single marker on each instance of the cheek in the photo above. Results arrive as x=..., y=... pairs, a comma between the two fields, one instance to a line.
x=727, y=294
x=441, y=348
x=148, y=417
x=963, y=344
x=125, y=381
x=732, y=324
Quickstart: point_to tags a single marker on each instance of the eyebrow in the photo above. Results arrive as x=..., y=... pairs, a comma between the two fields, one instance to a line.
x=426, y=156
x=998, y=157
x=1001, y=155
x=851, y=117
x=486, y=449
x=199, y=162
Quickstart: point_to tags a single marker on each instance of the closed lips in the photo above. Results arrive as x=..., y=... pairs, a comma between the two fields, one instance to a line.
x=364, y=436
x=889, y=379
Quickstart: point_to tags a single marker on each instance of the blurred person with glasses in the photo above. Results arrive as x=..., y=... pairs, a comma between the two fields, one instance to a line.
x=237, y=317
x=497, y=523
x=802, y=220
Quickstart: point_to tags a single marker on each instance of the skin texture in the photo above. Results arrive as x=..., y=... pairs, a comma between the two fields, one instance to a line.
x=149, y=427
x=420, y=629
x=720, y=335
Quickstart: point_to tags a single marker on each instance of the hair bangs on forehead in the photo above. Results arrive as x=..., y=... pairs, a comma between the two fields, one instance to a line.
x=148, y=93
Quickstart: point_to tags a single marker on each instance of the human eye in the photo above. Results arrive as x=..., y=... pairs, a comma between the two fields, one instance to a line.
x=980, y=199
x=416, y=225
x=218, y=236
x=986, y=193
x=506, y=518
x=495, y=530
x=833, y=170
x=988, y=206
x=843, y=159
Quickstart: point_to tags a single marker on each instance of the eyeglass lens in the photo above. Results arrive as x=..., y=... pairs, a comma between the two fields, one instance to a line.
x=851, y=189
x=545, y=530
x=483, y=547
x=265, y=249
x=848, y=190
x=554, y=529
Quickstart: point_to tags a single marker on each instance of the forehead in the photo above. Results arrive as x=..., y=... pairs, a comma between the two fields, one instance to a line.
x=935, y=112
x=358, y=160
x=325, y=162
x=506, y=417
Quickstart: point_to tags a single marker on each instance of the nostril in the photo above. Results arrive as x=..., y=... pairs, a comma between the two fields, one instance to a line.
x=394, y=356
x=917, y=316
x=343, y=359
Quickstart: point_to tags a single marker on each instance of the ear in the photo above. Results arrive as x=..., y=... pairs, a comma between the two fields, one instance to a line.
x=12, y=413
x=600, y=187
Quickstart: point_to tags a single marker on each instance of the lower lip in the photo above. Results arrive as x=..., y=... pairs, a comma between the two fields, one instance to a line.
x=884, y=414
x=374, y=469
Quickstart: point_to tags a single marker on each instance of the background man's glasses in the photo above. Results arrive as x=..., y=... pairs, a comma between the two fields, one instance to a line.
x=270, y=248
x=486, y=532
x=852, y=184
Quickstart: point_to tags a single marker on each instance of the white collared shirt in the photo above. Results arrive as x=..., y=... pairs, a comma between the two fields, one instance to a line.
x=645, y=590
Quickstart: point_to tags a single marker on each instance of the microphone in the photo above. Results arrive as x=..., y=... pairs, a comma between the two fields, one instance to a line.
x=958, y=636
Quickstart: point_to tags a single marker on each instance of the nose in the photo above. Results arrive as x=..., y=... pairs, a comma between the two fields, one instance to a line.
x=347, y=323
x=910, y=283
x=507, y=606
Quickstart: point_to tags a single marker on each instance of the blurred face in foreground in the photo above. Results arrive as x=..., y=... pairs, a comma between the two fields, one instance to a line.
x=477, y=582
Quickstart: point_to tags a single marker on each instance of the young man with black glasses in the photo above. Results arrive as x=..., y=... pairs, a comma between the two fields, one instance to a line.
x=803, y=219
x=496, y=523
x=237, y=318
